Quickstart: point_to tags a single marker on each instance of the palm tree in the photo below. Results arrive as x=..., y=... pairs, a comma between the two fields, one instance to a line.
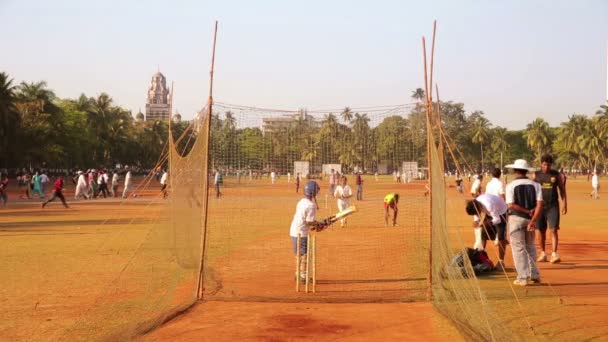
x=361, y=133
x=347, y=115
x=418, y=95
x=499, y=140
x=480, y=132
x=537, y=135
x=9, y=117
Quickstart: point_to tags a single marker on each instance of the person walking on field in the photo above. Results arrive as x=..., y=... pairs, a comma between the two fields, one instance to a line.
x=595, y=185
x=164, y=181
x=553, y=187
x=359, y=182
x=297, y=182
x=44, y=180
x=37, y=182
x=343, y=192
x=218, y=181
x=102, y=181
x=3, y=190
x=128, y=185
x=524, y=199
x=273, y=177
x=57, y=193
x=332, y=181
x=81, y=187
x=115, y=178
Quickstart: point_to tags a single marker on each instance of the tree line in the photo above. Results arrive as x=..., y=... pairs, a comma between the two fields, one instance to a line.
x=39, y=129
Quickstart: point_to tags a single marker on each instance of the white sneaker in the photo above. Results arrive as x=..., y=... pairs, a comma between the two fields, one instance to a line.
x=520, y=282
x=542, y=257
x=555, y=258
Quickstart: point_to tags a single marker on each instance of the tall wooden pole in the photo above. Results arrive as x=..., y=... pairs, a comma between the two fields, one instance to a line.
x=429, y=293
x=205, y=209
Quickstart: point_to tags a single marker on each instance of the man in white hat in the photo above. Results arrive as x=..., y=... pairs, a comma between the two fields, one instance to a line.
x=524, y=199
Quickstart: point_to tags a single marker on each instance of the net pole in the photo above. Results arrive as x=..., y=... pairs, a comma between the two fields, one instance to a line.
x=429, y=294
x=207, y=135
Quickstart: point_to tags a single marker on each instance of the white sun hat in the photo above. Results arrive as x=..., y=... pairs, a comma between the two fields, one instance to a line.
x=520, y=164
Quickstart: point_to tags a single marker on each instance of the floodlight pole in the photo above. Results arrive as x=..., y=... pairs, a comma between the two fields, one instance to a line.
x=205, y=209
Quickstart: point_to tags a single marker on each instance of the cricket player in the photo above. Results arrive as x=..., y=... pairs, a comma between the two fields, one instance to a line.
x=303, y=219
x=343, y=192
x=391, y=201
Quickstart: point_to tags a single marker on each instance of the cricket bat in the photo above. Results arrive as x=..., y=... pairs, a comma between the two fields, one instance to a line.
x=331, y=219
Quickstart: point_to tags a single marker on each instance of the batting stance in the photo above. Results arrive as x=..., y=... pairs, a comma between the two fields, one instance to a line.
x=304, y=217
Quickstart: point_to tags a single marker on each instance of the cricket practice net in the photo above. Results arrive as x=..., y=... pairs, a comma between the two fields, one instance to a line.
x=158, y=257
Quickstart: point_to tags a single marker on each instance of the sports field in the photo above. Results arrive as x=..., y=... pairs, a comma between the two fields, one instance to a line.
x=60, y=270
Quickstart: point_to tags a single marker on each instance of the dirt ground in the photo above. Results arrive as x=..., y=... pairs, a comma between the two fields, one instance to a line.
x=38, y=246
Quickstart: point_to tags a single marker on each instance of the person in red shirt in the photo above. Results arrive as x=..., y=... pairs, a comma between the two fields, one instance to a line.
x=57, y=192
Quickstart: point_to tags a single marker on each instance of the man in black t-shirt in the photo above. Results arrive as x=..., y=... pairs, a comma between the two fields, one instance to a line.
x=553, y=186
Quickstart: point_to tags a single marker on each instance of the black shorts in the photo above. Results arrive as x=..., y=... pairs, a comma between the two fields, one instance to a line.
x=492, y=231
x=549, y=219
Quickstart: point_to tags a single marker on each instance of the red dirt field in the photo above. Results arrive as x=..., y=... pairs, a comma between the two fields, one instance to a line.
x=581, y=280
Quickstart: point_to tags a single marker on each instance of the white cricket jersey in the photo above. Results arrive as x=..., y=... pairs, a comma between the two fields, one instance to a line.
x=343, y=191
x=306, y=211
x=163, y=179
x=495, y=187
x=475, y=187
x=494, y=205
x=595, y=181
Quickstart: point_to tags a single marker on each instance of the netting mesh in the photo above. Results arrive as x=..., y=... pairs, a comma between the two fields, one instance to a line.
x=249, y=254
x=147, y=256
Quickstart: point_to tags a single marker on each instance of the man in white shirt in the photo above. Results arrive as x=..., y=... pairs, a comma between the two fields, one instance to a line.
x=476, y=187
x=273, y=177
x=495, y=186
x=164, y=179
x=595, y=185
x=343, y=192
x=44, y=180
x=490, y=214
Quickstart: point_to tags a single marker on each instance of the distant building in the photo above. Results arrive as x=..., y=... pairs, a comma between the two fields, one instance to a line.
x=270, y=125
x=158, y=104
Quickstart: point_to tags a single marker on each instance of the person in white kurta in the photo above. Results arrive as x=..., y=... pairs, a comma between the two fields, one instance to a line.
x=81, y=187
x=128, y=185
x=343, y=192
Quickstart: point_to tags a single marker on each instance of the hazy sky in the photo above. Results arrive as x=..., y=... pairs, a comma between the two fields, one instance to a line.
x=514, y=60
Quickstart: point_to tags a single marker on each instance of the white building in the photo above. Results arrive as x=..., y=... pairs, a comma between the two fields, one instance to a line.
x=158, y=103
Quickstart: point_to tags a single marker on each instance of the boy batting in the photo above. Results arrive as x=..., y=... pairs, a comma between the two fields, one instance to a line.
x=304, y=219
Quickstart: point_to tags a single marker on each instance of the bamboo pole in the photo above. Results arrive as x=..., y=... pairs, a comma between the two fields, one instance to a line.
x=429, y=165
x=207, y=135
